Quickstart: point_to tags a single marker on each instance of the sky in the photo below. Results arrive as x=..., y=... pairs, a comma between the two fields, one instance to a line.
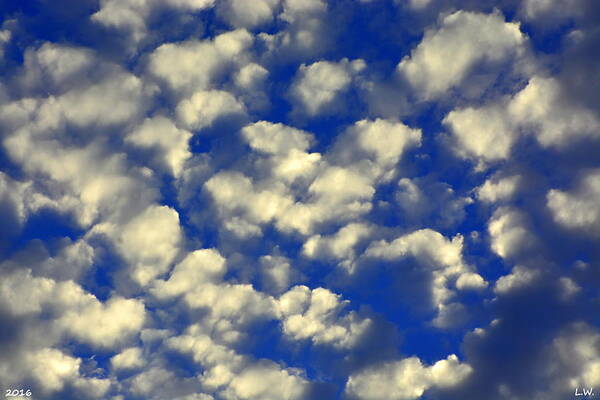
x=300, y=199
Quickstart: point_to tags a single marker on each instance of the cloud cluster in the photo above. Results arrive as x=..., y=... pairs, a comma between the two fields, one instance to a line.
x=299, y=199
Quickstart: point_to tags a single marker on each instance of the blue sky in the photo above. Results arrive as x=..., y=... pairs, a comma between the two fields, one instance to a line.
x=299, y=199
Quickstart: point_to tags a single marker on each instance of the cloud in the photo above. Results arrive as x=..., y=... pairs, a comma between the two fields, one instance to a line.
x=489, y=133
x=510, y=234
x=241, y=14
x=406, y=379
x=439, y=270
x=200, y=63
x=315, y=315
x=578, y=209
x=132, y=16
x=203, y=108
x=449, y=52
x=498, y=189
x=198, y=267
x=149, y=242
x=128, y=359
x=305, y=34
x=161, y=134
x=104, y=325
x=317, y=87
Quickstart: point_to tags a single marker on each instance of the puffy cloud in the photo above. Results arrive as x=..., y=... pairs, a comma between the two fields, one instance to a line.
x=577, y=348
x=498, y=189
x=317, y=87
x=234, y=193
x=104, y=324
x=272, y=138
x=425, y=201
x=56, y=67
x=510, y=234
x=76, y=313
x=431, y=246
x=205, y=107
x=242, y=14
x=316, y=315
x=129, y=358
x=251, y=76
x=488, y=133
x=462, y=41
x=198, y=267
x=339, y=246
x=381, y=142
x=160, y=133
x=484, y=133
x=240, y=304
x=305, y=34
x=53, y=369
x=579, y=208
x=519, y=278
x=132, y=16
x=266, y=382
x=440, y=268
x=277, y=274
x=406, y=379
x=149, y=242
x=199, y=63
x=541, y=108
x=238, y=377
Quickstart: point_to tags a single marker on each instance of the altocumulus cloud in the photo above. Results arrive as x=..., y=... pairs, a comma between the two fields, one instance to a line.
x=299, y=199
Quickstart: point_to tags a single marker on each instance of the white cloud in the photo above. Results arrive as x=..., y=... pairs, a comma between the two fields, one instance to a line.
x=441, y=260
x=498, y=189
x=576, y=354
x=317, y=87
x=316, y=315
x=430, y=246
x=381, y=142
x=57, y=67
x=132, y=15
x=129, y=358
x=198, y=267
x=104, y=324
x=509, y=233
x=270, y=138
x=199, y=63
x=160, y=133
x=277, y=274
x=339, y=245
x=237, y=377
x=554, y=120
x=406, y=379
x=251, y=76
x=149, y=242
x=520, y=277
x=207, y=106
x=488, y=133
x=305, y=33
x=233, y=193
x=52, y=368
x=470, y=280
x=485, y=133
x=244, y=14
x=580, y=207
x=462, y=41
x=266, y=382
